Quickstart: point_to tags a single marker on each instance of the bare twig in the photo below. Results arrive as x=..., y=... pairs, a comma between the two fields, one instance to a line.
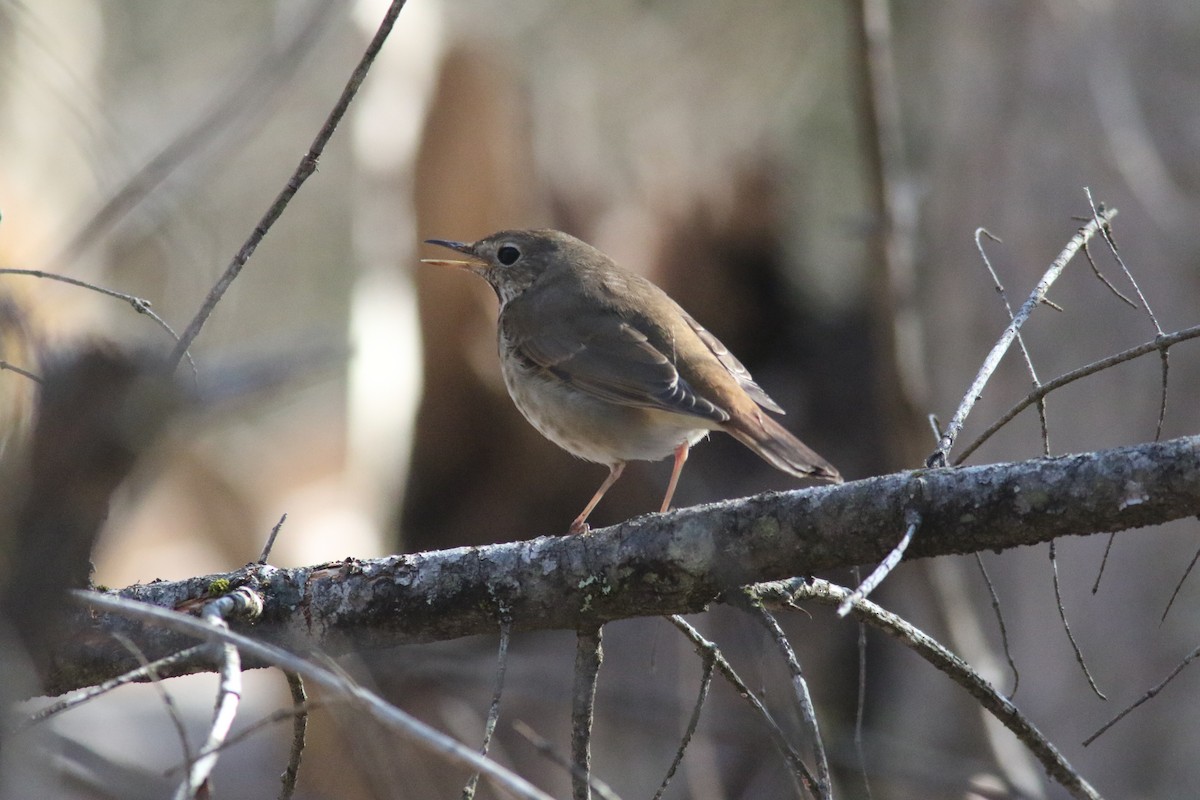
x=950, y=434
x=167, y=700
x=240, y=602
x=1163, y=354
x=489, y=728
x=1062, y=615
x=954, y=667
x=800, y=773
x=912, y=519
x=287, y=780
x=1112, y=537
x=1182, y=579
x=991, y=587
x=987, y=262
x=602, y=789
x=142, y=673
x=1102, y=216
x=860, y=706
x=306, y=167
x=1149, y=695
x=388, y=715
x=139, y=304
x=4, y=365
x=266, y=551
x=1087, y=252
x=800, y=687
x=1158, y=344
x=709, y=664
x=589, y=653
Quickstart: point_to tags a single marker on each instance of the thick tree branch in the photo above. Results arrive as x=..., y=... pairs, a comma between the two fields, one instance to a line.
x=665, y=564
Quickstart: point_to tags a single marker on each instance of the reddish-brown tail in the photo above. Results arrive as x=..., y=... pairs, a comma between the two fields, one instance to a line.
x=775, y=445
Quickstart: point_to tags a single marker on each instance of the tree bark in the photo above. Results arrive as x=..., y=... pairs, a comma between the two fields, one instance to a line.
x=675, y=563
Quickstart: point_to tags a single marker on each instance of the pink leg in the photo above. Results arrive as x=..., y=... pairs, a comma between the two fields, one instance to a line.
x=681, y=454
x=580, y=524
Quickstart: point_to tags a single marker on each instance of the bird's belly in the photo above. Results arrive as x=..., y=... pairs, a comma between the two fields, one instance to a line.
x=598, y=430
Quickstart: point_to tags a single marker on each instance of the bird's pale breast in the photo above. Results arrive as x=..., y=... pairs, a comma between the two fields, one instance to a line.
x=592, y=428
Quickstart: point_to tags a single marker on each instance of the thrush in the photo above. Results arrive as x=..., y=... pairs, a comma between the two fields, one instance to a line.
x=608, y=367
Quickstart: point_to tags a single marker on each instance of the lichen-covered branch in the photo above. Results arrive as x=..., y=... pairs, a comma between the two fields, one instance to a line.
x=665, y=564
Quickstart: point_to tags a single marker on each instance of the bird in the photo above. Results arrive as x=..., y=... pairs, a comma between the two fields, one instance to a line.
x=606, y=365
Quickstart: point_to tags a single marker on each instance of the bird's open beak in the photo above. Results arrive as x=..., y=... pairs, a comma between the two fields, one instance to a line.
x=466, y=248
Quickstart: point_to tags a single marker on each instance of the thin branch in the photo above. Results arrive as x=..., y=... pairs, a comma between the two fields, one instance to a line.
x=589, y=654
x=4, y=365
x=1164, y=356
x=241, y=602
x=1159, y=343
x=142, y=673
x=167, y=700
x=1087, y=252
x=489, y=728
x=987, y=262
x=991, y=587
x=860, y=707
x=912, y=519
x=602, y=789
x=1102, y=217
x=389, y=716
x=1149, y=695
x=803, y=779
x=950, y=434
x=306, y=167
x=808, y=712
x=1182, y=579
x=139, y=304
x=266, y=551
x=278, y=715
x=1056, y=766
x=1062, y=615
x=287, y=780
x=1112, y=537
x=706, y=674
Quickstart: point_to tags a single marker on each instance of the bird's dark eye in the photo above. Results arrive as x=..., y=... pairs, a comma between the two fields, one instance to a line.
x=508, y=255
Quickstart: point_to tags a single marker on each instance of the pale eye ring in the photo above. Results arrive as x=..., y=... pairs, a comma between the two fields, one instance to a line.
x=508, y=255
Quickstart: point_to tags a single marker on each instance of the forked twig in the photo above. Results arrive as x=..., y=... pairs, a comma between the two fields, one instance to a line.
x=799, y=687
x=950, y=434
x=139, y=304
x=804, y=779
x=1159, y=343
x=987, y=262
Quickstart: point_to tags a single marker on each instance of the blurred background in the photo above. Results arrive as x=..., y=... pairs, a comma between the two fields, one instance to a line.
x=805, y=177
